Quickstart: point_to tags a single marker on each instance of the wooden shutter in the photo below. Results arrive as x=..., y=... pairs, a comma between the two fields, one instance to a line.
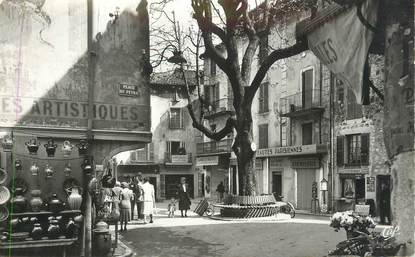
x=265, y=85
x=132, y=156
x=168, y=148
x=263, y=135
x=354, y=110
x=364, y=150
x=340, y=150
x=263, y=97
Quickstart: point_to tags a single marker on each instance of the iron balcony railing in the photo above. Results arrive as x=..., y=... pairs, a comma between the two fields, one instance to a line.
x=223, y=146
x=301, y=101
x=177, y=158
x=221, y=105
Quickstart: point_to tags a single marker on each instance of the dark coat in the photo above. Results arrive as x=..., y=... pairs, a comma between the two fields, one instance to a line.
x=184, y=200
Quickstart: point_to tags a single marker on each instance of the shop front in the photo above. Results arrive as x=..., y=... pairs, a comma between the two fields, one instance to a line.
x=291, y=171
x=213, y=170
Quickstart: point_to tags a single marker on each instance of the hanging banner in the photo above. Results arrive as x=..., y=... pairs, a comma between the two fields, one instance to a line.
x=342, y=45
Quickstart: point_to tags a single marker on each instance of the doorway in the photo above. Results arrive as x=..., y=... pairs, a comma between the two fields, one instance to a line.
x=277, y=183
x=305, y=179
x=383, y=195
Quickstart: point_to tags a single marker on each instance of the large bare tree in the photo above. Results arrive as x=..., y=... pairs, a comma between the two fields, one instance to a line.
x=237, y=20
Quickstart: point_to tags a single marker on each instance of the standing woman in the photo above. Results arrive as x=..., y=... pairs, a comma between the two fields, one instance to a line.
x=125, y=205
x=183, y=195
x=149, y=199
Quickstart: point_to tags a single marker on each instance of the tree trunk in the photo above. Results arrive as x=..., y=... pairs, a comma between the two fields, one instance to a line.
x=399, y=116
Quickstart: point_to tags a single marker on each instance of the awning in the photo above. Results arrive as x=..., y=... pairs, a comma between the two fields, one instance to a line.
x=175, y=164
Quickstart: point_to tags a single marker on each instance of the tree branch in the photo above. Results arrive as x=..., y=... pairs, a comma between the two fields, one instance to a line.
x=274, y=56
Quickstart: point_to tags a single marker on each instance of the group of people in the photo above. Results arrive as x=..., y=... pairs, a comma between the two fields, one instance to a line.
x=139, y=192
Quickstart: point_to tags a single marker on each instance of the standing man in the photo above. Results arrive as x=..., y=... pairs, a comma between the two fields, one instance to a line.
x=220, y=189
x=384, y=203
x=149, y=200
x=140, y=196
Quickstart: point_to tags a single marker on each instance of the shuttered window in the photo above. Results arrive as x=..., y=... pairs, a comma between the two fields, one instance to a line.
x=353, y=149
x=365, y=149
x=340, y=150
x=263, y=98
x=176, y=147
x=263, y=136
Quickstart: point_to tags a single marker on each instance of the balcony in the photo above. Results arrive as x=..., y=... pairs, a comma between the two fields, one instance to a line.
x=178, y=159
x=303, y=103
x=219, y=107
x=214, y=147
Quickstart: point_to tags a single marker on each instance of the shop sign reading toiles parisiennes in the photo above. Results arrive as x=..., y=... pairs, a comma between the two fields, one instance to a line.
x=291, y=150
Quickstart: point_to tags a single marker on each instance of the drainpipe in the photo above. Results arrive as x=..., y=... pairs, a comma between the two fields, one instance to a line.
x=331, y=161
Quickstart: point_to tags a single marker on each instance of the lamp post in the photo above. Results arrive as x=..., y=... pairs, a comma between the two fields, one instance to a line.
x=323, y=188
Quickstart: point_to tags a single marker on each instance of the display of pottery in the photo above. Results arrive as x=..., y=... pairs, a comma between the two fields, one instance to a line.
x=54, y=231
x=48, y=171
x=67, y=148
x=7, y=143
x=18, y=165
x=3, y=176
x=54, y=204
x=75, y=199
x=82, y=147
x=36, y=202
x=37, y=232
x=34, y=169
x=18, y=202
x=50, y=148
x=67, y=170
x=4, y=195
x=19, y=183
x=32, y=146
x=4, y=213
x=20, y=236
x=87, y=167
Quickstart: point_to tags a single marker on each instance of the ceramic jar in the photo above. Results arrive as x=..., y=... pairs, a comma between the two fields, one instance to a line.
x=18, y=201
x=75, y=199
x=82, y=147
x=49, y=171
x=54, y=230
x=50, y=148
x=34, y=169
x=36, y=202
x=67, y=148
x=70, y=229
x=18, y=165
x=78, y=219
x=67, y=170
x=7, y=143
x=37, y=232
x=55, y=205
x=32, y=146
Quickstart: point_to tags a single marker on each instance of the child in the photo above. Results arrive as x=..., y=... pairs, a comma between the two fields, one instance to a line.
x=171, y=207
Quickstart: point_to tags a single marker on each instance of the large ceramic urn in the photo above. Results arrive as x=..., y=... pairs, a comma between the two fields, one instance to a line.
x=32, y=146
x=74, y=199
x=82, y=147
x=55, y=205
x=37, y=231
x=36, y=202
x=50, y=148
x=34, y=169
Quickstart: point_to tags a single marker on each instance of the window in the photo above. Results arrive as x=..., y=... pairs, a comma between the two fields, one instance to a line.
x=353, y=187
x=263, y=136
x=307, y=78
x=353, y=150
x=307, y=133
x=176, y=118
x=143, y=155
x=354, y=110
x=283, y=133
x=212, y=68
x=176, y=147
x=263, y=98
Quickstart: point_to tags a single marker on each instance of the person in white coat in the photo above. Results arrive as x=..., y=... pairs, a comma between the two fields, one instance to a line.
x=149, y=200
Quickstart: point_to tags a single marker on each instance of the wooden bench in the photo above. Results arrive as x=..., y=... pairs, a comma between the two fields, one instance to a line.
x=40, y=243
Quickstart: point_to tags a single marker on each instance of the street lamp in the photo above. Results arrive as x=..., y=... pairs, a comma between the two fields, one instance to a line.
x=178, y=59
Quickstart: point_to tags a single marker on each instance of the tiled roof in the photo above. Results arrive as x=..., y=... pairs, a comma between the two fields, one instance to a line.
x=173, y=78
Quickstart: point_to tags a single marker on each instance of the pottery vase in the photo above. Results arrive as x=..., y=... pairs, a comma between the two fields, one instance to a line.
x=18, y=165
x=70, y=229
x=54, y=230
x=67, y=148
x=18, y=202
x=36, y=202
x=67, y=170
x=48, y=171
x=37, y=232
x=74, y=199
x=50, y=148
x=82, y=147
x=7, y=143
x=34, y=169
x=32, y=146
x=55, y=205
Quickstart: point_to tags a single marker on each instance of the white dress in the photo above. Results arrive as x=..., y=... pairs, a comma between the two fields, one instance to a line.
x=148, y=198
